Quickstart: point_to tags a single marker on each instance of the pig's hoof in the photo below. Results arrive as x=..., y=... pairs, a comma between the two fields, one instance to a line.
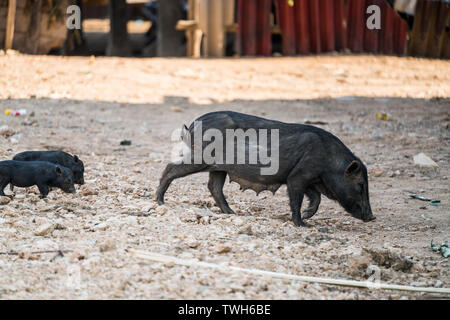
x=160, y=199
x=299, y=223
x=228, y=211
x=308, y=213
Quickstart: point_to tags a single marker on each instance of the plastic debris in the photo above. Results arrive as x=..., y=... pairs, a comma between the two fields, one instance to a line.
x=443, y=248
x=125, y=143
x=422, y=159
x=15, y=113
x=435, y=203
x=416, y=196
x=384, y=116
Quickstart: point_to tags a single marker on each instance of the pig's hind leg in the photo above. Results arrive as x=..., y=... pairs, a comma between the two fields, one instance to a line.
x=215, y=186
x=174, y=171
x=314, y=202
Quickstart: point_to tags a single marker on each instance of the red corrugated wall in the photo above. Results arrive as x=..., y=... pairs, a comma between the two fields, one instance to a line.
x=320, y=26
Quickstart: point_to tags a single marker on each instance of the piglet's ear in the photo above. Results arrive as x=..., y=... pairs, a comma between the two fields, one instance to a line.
x=76, y=158
x=58, y=170
x=353, y=168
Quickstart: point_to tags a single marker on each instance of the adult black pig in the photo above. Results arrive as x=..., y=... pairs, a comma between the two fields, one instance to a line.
x=311, y=162
x=41, y=173
x=57, y=157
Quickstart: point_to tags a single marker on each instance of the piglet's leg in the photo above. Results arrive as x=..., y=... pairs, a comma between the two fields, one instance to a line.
x=172, y=172
x=215, y=186
x=3, y=183
x=43, y=189
x=314, y=202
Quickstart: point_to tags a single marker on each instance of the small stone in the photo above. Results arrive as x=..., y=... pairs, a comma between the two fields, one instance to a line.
x=89, y=192
x=192, y=244
x=161, y=210
x=148, y=207
x=4, y=200
x=246, y=230
x=238, y=222
x=377, y=172
x=77, y=255
x=223, y=249
x=323, y=229
x=44, y=229
x=176, y=109
x=422, y=159
x=107, y=246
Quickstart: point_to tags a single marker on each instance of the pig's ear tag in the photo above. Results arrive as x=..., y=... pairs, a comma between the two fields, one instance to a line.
x=58, y=170
x=76, y=158
x=353, y=168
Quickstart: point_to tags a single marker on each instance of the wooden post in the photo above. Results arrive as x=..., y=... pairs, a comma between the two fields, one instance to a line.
x=444, y=38
x=118, y=44
x=287, y=26
x=263, y=28
x=327, y=25
x=34, y=28
x=247, y=26
x=314, y=26
x=301, y=26
x=10, y=24
x=356, y=25
x=228, y=10
x=340, y=25
x=216, y=29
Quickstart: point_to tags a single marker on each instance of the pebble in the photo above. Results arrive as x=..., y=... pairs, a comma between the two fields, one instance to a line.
x=44, y=229
x=101, y=226
x=4, y=200
x=192, y=243
x=223, y=249
x=378, y=172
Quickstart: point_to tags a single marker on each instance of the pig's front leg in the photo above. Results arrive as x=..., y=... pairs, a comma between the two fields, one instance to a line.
x=43, y=189
x=215, y=186
x=295, y=201
x=314, y=202
x=3, y=183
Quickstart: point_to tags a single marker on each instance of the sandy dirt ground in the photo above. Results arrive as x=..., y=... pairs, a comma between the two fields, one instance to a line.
x=87, y=106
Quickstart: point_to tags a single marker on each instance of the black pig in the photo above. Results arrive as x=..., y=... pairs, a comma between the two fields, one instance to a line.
x=311, y=162
x=41, y=173
x=57, y=157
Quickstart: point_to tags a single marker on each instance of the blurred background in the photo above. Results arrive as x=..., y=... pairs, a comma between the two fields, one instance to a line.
x=217, y=28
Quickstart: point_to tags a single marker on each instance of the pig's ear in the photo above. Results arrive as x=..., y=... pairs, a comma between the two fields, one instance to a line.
x=76, y=158
x=353, y=168
x=58, y=170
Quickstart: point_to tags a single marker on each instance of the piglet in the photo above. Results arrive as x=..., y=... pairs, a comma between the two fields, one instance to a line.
x=43, y=174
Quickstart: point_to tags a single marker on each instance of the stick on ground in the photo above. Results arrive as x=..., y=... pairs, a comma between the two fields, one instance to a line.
x=330, y=281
